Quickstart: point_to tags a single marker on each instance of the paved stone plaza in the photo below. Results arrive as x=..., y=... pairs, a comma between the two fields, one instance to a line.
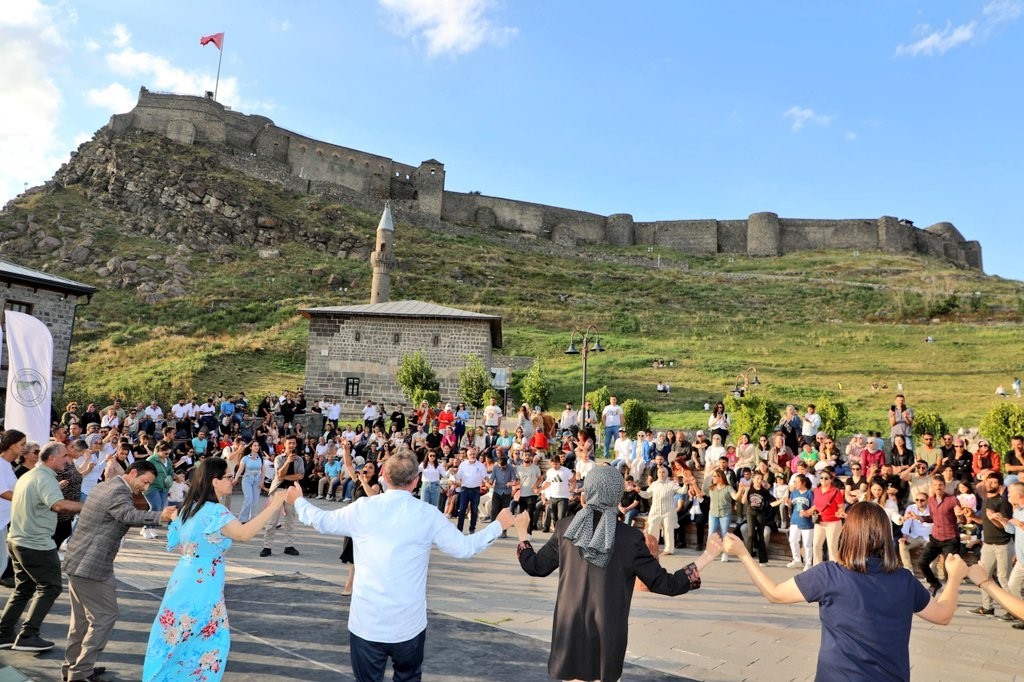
x=490, y=621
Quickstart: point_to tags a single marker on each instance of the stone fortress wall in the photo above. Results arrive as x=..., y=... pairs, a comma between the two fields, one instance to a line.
x=254, y=145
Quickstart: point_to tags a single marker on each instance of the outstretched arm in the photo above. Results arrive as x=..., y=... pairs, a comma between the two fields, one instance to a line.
x=785, y=593
x=979, y=575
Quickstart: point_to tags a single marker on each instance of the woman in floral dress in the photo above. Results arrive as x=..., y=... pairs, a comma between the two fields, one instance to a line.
x=190, y=637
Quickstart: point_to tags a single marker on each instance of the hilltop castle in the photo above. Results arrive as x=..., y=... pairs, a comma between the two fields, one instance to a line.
x=254, y=145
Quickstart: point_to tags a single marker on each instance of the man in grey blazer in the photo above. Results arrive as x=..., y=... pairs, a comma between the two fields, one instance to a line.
x=89, y=564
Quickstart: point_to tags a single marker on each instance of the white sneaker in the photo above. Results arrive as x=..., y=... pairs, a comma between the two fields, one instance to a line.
x=142, y=531
x=319, y=497
x=807, y=567
x=150, y=534
x=795, y=563
x=329, y=498
x=725, y=558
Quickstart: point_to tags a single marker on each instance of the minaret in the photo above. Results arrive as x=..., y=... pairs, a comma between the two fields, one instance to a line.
x=383, y=259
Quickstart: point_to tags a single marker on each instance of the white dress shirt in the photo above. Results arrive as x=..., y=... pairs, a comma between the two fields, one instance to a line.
x=472, y=474
x=392, y=534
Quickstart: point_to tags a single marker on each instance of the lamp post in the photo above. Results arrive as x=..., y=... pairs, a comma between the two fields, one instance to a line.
x=748, y=381
x=587, y=349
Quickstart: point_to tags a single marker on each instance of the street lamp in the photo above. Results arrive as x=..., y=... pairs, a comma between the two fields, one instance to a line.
x=748, y=381
x=586, y=350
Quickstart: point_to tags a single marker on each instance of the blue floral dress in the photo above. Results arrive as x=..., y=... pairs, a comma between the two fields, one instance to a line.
x=190, y=636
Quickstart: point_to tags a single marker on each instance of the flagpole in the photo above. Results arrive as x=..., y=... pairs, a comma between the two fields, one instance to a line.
x=216, y=84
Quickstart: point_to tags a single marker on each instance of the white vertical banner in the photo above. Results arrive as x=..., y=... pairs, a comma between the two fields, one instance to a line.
x=29, y=375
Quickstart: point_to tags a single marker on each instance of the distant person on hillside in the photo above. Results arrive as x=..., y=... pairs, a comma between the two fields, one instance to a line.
x=1016, y=386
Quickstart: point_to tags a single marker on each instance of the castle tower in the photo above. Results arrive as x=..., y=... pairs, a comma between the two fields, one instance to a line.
x=383, y=258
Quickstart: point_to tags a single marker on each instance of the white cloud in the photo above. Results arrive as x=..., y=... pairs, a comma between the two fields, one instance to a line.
x=120, y=36
x=850, y=136
x=81, y=137
x=935, y=42
x=800, y=116
x=448, y=26
x=115, y=97
x=91, y=45
x=29, y=99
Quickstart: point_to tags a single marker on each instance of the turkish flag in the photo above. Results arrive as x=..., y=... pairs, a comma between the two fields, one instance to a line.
x=217, y=39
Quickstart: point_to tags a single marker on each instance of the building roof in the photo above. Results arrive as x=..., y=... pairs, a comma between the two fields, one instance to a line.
x=386, y=221
x=419, y=309
x=9, y=272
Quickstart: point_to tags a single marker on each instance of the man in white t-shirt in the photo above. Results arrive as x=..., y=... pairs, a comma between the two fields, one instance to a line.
x=557, y=483
x=611, y=417
x=623, y=449
x=370, y=414
x=470, y=477
x=155, y=414
x=810, y=424
x=569, y=418
x=334, y=412
x=180, y=413
x=492, y=415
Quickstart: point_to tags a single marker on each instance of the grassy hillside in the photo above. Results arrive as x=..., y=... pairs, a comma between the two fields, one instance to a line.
x=812, y=323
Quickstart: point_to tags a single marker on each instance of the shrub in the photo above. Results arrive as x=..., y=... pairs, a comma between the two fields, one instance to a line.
x=834, y=416
x=753, y=414
x=432, y=396
x=535, y=388
x=635, y=416
x=415, y=374
x=598, y=398
x=1002, y=422
x=927, y=421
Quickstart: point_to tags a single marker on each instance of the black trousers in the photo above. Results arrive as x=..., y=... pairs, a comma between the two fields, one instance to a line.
x=931, y=552
x=528, y=503
x=37, y=584
x=370, y=659
x=499, y=502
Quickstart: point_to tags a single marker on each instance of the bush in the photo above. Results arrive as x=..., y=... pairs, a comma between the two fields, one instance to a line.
x=598, y=398
x=834, y=416
x=430, y=395
x=415, y=374
x=491, y=393
x=927, y=421
x=1003, y=421
x=535, y=388
x=635, y=416
x=754, y=414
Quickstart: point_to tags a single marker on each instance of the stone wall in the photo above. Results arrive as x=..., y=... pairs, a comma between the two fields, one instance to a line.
x=370, y=348
x=54, y=309
x=308, y=165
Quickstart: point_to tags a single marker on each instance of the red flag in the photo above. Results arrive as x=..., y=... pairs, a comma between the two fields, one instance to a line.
x=217, y=39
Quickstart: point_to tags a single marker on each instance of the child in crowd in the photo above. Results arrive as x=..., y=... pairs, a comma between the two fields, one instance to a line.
x=176, y=495
x=966, y=497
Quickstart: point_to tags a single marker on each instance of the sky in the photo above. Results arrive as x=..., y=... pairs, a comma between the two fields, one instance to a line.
x=662, y=109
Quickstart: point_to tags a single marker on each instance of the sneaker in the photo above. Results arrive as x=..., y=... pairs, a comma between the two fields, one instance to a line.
x=795, y=563
x=1008, y=617
x=291, y=550
x=329, y=498
x=32, y=643
x=320, y=497
x=807, y=567
x=982, y=611
x=265, y=551
x=1016, y=626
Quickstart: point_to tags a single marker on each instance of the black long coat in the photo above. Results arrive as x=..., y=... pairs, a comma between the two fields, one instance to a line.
x=591, y=622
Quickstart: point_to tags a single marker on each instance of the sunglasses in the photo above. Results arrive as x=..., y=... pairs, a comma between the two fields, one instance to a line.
x=920, y=499
x=826, y=478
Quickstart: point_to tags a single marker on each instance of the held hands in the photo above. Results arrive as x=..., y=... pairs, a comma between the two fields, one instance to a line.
x=733, y=545
x=168, y=514
x=978, y=573
x=505, y=518
x=294, y=493
x=714, y=546
x=956, y=568
x=522, y=524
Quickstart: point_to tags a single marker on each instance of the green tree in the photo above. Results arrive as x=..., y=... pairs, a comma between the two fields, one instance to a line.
x=535, y=388
x=415, y=374
x=929, y=421
x=834, y=415
x=635, y=416
x=474, y=380
x=1002, y=422
x=598, y=398
x=430, y=395
x=754, y=414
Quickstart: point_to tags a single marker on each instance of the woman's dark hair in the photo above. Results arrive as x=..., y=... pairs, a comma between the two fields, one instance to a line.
x=866, y=534
x=200, y=489
x=11, y=438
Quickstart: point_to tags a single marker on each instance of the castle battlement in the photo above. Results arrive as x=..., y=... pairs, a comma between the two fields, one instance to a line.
x=264, y=150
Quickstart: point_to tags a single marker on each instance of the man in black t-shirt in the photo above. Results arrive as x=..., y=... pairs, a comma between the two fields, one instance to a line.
x=434, y=438
x=398, y=417
x=996, y=543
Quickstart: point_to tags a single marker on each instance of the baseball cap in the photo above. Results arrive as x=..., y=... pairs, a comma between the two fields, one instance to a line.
x=700, y=432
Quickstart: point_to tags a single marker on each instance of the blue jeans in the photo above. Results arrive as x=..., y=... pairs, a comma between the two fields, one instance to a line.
x=630, y=515
x=370, y=659
x=250, y=493
x=431, y=493
x=610, y=434
x=720, y=525
x=469, y=497
x=157, y=498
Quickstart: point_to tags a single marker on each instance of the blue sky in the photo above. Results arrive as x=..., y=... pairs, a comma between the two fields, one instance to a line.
x=664, y=110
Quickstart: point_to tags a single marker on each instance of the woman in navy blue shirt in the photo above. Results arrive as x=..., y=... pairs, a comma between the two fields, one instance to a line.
x=865, y=597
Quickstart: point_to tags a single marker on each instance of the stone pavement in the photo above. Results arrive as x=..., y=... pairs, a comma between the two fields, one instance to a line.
x=490, y=621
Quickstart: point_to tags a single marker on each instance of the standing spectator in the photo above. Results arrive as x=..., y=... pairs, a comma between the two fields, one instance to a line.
x=528, y=489
x=1014, y=525
x=810, y=424
x=37, y=571
x=942, y=513
x=721, y=495
x=431, y=471
x=469, y=477
x=370, y=415
x=901, y=420
x=288, y=468
x=558, y=482
x=759, y=502
x=492, y=414
x=718, y=422
x=789, y=426
x=662, y=520
x=612, y=419
x=446, y=419
x=569, y=418
x=12, y=444
x=829, y=503
x=996, y=547
x=801, y=525
x=501, y=478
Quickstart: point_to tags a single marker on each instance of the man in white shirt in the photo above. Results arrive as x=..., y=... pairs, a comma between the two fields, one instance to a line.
x=180, y=413
x=810, y=424
x=569, y=418
x=470, y=477
x=492, y=415
x=557, y=483
x=334, y=412
x=915, y=532
x=392, y=536
x=623, y=449
x=611, y=416
x=370, y=414
x=155, y=414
